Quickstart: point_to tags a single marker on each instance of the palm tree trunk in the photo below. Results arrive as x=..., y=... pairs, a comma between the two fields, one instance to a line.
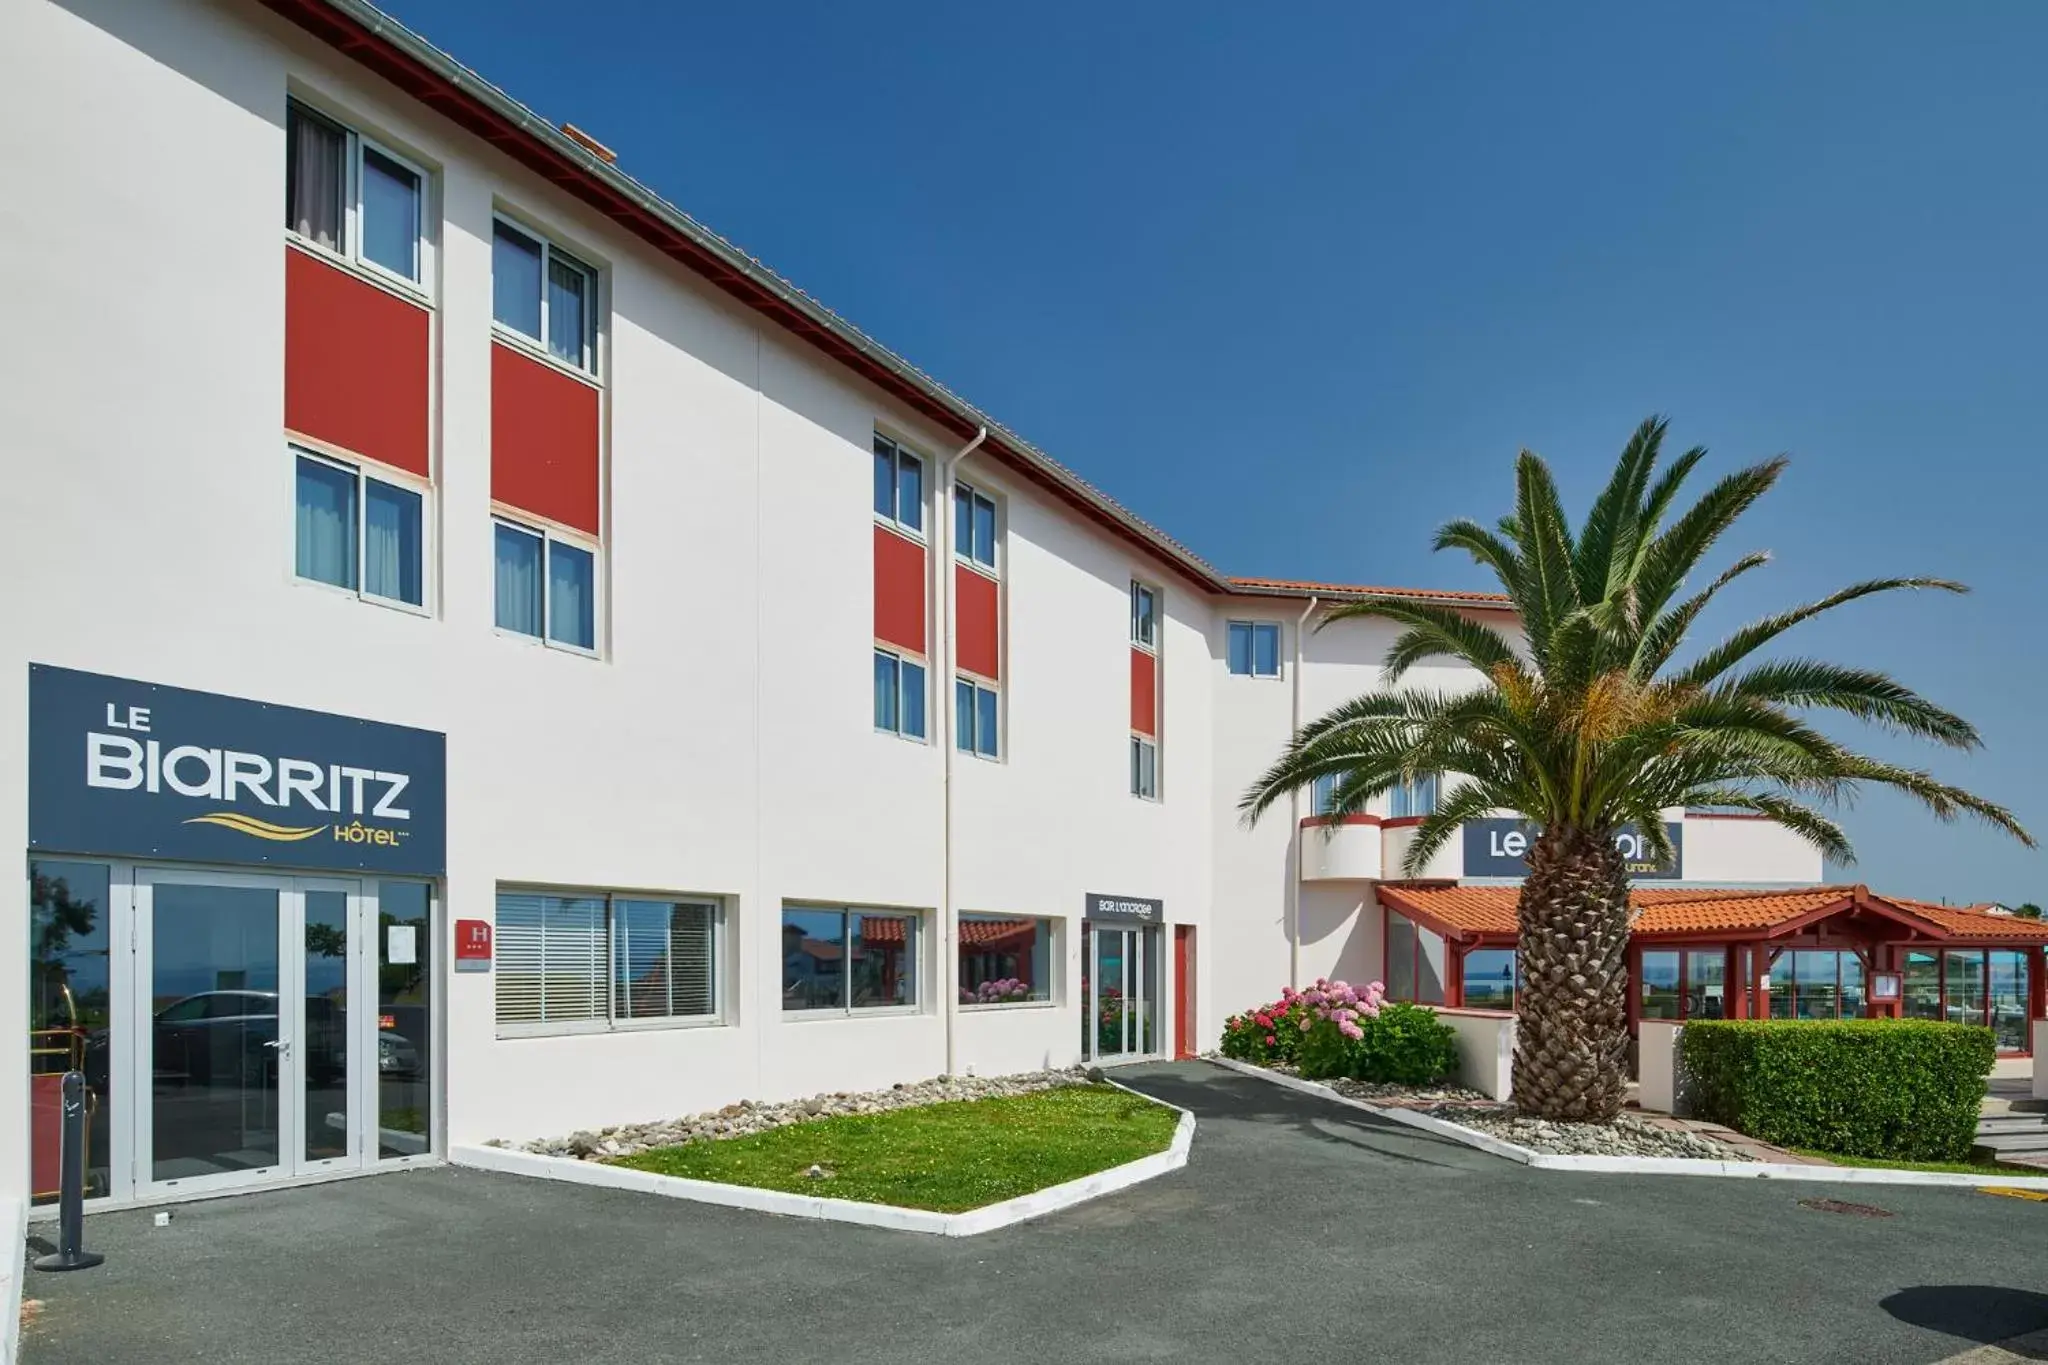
x=1571, y=1035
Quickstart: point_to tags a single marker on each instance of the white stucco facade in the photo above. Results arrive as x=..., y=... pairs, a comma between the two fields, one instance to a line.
x=720, y=745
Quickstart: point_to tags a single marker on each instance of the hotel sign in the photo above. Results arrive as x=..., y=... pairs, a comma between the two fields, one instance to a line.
x=135, y=769
x=1125, y=909
x=1500, y=848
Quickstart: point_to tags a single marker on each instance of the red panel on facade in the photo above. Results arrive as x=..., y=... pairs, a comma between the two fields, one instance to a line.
x=977, y=604
x=1144, y=692
x=544, y=439
x=899, y=591
x=355, y=364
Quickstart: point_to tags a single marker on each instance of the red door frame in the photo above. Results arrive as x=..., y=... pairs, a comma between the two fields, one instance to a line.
x=1184, y=998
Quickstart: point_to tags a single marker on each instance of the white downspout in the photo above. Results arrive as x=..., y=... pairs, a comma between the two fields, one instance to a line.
x=1294, y=882
x=949, y=919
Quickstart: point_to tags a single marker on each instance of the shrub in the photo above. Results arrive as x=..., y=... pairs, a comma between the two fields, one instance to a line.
x=1404, y=1045
x=1887, y=1088
x=1321, y=1021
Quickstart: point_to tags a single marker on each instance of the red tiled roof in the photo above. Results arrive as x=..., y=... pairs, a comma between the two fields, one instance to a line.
x=1291, y=587
x=981, y=933
x=1489, y=911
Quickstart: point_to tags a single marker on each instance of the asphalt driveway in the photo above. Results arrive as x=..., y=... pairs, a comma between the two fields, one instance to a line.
x=1297, y=1226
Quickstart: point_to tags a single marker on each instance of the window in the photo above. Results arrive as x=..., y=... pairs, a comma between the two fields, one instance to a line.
x=1144, y=768
x=1490, y=979
x=1323, y=793
x=974, y=526
x=70, y=1000
x=544, y=294
x=359, y=532
x=1254, y=648
x=347, y=195
x=1144, y=616
x=1415, y=961
x=1972, y=986
x=1005, y=960
x=568, y=962
x=899, y=695
x=1415, y=797
x=1816, y=984
x=1659, y=985
x=839, y=960
x=546, y=581
x=899, y=486
x=1706, y=981
x=975, y=726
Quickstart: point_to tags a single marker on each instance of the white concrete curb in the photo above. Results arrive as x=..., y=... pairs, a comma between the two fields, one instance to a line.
x=975, y=1221
x=1639, y=1165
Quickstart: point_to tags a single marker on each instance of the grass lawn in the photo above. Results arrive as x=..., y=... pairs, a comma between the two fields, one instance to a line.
x=945, y=1157
x=1942, y=1167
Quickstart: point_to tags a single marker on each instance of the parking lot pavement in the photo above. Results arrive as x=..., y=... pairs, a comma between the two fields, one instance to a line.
x=1298, y=1225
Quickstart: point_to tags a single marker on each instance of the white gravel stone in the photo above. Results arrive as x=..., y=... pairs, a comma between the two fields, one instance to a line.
x=747, y=1116
x=1628, y=1135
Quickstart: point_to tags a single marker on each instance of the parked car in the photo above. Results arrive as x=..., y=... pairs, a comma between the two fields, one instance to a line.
x=200, y=1035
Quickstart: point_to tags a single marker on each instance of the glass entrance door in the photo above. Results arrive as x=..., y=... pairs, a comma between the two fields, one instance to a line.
x=1122, y=991
x=250, y=1067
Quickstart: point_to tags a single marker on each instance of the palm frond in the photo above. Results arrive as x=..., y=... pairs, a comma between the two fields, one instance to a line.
x=1863, y=693
x=1667, y=632
x=1433, y=631
x=1756, y=635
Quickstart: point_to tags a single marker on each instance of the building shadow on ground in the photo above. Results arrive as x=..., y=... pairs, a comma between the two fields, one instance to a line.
x=1981, y=1313
x=1213, y=1093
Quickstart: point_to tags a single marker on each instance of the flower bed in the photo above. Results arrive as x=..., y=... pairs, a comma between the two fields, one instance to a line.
x=747, y=1118
x=1335, y=1030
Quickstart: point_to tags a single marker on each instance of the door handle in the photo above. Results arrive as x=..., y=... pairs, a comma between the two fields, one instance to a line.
x=280, y=1044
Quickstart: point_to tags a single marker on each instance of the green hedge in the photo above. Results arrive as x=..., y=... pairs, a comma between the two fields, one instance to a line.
x=1905, y=1089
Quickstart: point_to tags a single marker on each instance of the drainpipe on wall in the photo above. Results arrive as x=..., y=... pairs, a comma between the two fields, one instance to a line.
x=1294, y=882
x=949, y=920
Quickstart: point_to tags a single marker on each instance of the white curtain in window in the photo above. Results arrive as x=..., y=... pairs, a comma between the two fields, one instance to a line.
x=314, y=154
x=567, y=287
x=391, y=542
x=519, y=585
x=572, y=596
x=326, y=523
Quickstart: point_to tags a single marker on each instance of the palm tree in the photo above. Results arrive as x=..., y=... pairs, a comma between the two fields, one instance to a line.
x=1586, y=724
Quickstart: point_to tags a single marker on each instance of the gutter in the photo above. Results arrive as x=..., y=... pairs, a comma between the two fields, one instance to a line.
x=1294, y=811
x=949, y=916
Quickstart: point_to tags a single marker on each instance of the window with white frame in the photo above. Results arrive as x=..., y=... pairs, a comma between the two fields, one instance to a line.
x=974, y=526
x=1416, y=796
x=1006, y=959
x=543, y=294
x=568, y=962
x=977, y=709
x=1323, y=794
x=357, y=530
x=1144, y=616
x=899, y=694
x=346, y=194
x=1144, y=768
x=843, y=959
x=1254, y=648
x=899, y=486
x=546, y=585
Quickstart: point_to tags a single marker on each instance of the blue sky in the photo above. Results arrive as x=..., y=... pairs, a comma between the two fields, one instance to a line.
x=1296, y=282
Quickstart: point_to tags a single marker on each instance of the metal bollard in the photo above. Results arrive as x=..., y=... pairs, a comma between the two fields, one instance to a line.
x=71, y=1253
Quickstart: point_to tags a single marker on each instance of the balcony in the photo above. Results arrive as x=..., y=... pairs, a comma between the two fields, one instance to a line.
x=1341, y=848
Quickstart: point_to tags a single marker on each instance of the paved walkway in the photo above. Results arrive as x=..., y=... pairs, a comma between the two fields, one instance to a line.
x=1298, y=1226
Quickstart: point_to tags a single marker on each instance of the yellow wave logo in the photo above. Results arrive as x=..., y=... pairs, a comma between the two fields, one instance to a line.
x=258, y=829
